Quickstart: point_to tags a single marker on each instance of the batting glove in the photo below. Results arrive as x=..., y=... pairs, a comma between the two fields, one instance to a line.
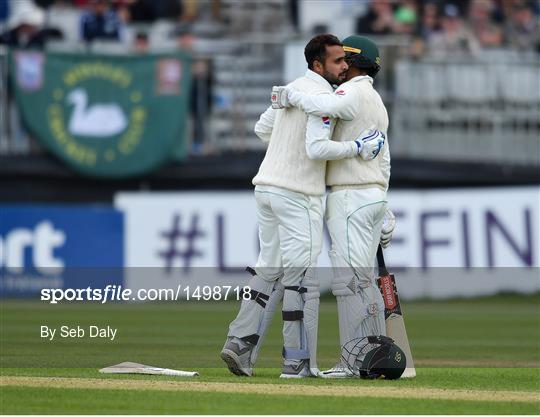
x=389, y=224
x=370, y=143
x=280, y=97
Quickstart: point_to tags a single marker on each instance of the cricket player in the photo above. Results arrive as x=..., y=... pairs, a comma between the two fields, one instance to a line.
x=356, y=205
x=289, y=189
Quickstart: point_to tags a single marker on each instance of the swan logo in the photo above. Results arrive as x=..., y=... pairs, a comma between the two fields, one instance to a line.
x=98, y=120
x=106, y=116
x=98, y=115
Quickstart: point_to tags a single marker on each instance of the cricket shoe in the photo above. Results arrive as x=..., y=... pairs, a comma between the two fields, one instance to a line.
x=296, y=370
x=339, y=371
x=237, y=355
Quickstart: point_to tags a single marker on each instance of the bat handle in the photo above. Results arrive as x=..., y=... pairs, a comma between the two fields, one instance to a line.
x=380, y=260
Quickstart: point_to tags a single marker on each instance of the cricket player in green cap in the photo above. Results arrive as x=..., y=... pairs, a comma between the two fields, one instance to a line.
x=356, y=208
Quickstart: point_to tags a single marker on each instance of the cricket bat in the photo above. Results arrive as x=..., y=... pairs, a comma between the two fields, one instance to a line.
x=137, y=368
x=393, y=315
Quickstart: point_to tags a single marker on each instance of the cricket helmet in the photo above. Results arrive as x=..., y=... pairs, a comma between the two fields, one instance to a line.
x=363, y=53
x=374, y=357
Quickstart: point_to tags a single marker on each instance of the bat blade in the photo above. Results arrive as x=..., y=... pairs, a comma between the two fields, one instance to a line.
x=395, y=325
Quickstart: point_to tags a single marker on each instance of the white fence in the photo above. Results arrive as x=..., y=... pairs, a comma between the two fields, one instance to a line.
x=468, y=111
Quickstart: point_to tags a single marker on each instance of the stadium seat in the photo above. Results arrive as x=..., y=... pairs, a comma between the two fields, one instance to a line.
x=472, y=84
x=520, y=85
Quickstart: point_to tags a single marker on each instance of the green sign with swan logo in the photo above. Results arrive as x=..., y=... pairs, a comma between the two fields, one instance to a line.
x=105, y=116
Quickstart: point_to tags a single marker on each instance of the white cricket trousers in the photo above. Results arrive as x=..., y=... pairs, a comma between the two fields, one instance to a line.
x=290, y=230
x=290, y=238
x=354, y=218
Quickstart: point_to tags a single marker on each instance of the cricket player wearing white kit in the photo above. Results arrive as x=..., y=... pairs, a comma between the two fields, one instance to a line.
x=356, y=205
x=289, y=188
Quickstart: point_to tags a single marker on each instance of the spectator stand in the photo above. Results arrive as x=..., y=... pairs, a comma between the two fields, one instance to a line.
x=464, y=109
x=460, y=108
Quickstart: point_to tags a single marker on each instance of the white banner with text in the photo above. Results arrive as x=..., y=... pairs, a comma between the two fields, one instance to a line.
x=447, y=243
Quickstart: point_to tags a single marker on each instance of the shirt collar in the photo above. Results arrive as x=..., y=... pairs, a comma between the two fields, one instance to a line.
x=361, y=77
x=316, y=77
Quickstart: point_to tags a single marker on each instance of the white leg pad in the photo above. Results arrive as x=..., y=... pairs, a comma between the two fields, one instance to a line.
x=343, y=279
x=311, y=316
x=373, y=324
x=301, y=341
x=271, y=307
x=250, y=318
x=360, y=310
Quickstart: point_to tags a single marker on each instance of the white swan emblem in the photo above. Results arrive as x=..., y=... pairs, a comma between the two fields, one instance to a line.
x=98, y=120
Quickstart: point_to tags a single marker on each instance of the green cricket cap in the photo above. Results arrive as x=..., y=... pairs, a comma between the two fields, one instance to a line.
x=362, y=46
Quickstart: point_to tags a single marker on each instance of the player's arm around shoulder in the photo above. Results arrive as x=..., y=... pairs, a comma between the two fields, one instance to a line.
x=342, y=104
x=319, y=146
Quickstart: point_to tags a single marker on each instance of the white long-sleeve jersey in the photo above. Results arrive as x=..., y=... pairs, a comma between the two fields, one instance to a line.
x=286, y=163
x=358, y=106
x=275, y=125
x=318, y=134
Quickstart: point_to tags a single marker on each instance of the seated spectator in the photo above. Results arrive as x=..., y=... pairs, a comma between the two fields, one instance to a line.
x=488, y=33
x=523, y=29
x=141, y=44
x=406, y=17
x=430, y=20
x=25, y=29
x=184, y=36
x=455, y=37
x=101, y=22
x=379, y=20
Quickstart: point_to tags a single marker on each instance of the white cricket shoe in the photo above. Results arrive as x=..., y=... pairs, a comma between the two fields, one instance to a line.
x=339, y=371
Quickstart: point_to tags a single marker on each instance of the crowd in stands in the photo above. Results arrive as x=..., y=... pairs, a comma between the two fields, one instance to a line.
x=436, y=26
x=26, y=22
x=445, y=27
x=432, y=28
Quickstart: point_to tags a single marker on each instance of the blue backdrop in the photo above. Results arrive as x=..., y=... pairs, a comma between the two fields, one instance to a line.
x=59, y=247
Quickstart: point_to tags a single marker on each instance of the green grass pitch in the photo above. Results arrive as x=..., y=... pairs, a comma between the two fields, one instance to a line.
x=478, y=356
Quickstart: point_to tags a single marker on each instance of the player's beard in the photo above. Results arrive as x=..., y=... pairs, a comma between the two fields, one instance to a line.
x=333, y=79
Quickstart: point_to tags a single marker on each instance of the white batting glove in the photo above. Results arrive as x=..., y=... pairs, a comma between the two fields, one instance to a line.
x=389, y=224
x=280, y=97
x=370, y=143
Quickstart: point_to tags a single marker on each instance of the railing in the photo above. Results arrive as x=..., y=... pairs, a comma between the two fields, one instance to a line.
x=242, y=84
x=483, y=110
x=243, y=80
